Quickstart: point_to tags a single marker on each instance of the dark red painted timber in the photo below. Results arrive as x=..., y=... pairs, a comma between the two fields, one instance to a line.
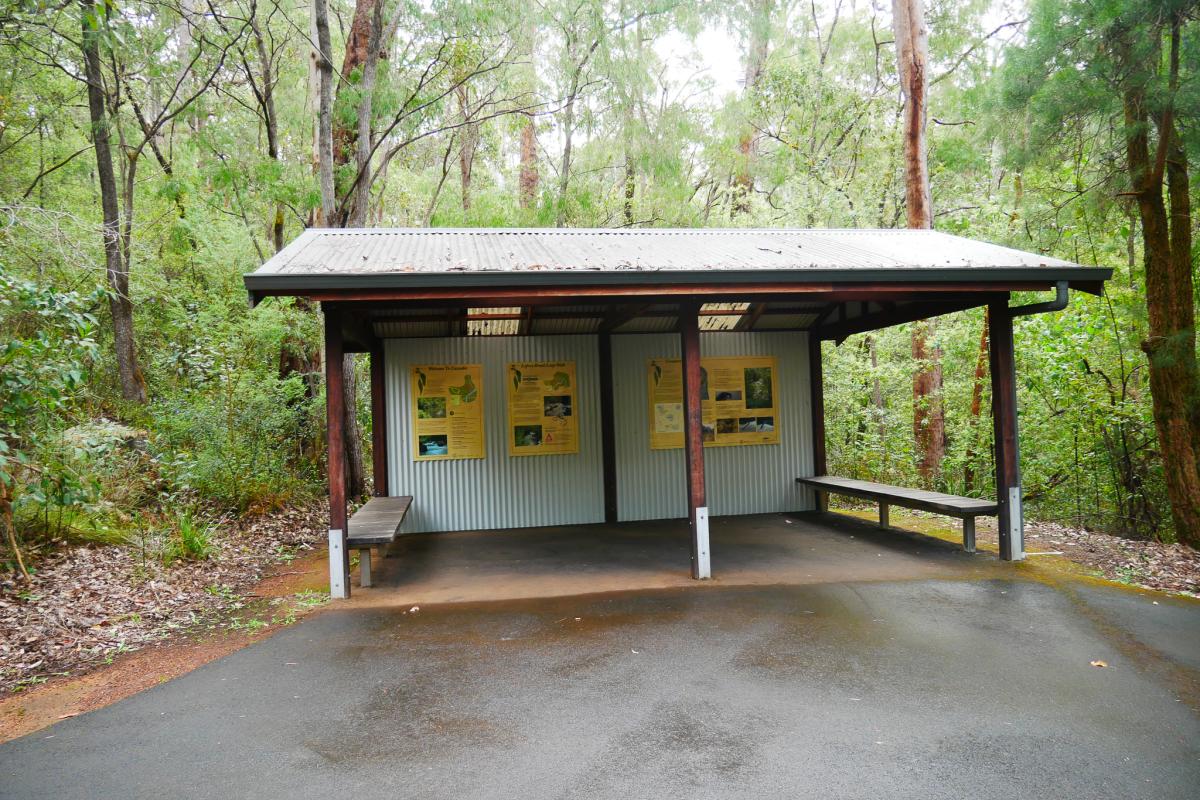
x=608, y=433
x=838, y=331
x=1004, y=422
x=693, y=420
x=335, y=428
x=379, y=461
x=817, y=409
x=707, y=293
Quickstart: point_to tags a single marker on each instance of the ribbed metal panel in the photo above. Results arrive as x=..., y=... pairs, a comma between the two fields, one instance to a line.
x=784, y=321
x=649, y=325
x=740, y=480
x=498, y=491
x=550, y=327
x=388, y=329
x=383, y=250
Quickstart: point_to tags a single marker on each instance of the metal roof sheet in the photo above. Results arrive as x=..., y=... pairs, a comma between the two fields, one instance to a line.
x=375, y=250
x=330, y=258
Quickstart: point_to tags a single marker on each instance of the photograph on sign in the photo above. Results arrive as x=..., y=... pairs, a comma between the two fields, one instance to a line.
x=738, y=396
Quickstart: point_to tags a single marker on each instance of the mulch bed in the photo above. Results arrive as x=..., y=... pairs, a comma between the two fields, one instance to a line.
x=86, y=604
x=1153, y=565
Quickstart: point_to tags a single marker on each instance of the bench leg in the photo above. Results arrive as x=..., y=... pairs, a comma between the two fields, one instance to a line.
x=969, y=534
x=364, y=566
x=884, y=513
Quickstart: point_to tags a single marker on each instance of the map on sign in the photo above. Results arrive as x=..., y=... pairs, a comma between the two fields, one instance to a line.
x=542, y=415
x=738, y=401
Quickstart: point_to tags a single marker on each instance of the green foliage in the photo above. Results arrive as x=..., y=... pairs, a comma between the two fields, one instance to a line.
x=191, y=540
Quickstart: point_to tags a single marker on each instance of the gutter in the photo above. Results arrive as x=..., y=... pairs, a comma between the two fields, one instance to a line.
x=1057, y=304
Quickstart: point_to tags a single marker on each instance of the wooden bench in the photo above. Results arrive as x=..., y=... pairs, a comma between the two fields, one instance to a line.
x=965, y=508
x=376, y=524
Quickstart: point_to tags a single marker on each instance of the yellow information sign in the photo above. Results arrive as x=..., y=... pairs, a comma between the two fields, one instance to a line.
x=447, y=411
x=738, y=401
x=541, y=408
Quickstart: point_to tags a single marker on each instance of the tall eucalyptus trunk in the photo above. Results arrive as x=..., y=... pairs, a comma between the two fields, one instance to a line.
x=912, y=56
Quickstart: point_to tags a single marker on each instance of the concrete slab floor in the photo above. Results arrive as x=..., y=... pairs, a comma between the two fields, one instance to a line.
x=760, y=549
x=964, y=680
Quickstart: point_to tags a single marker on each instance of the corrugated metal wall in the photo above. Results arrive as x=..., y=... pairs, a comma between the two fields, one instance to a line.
x=497, y=491
x=500, y=491
x=740, y=480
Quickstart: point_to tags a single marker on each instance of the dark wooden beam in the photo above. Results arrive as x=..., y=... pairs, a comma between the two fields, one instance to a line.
x=526, y=323
x=1004, y=426
x=842, y=329
x=816, y=380
x=693, y=439
x=663, y=293
x=339, y=556
x=379, y=438
x=619, y=315
x=608, y=433
x=750, y=317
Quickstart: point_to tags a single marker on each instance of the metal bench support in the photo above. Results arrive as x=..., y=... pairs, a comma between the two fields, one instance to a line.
x=969, y=534
x=884, y=512
x=364, y=566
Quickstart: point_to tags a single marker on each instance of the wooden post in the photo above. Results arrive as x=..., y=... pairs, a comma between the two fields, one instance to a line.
x=816, y=381
x=608, y=435
x=1004, y=424
x=379, y=438
x=693, y=439
x=339, y=557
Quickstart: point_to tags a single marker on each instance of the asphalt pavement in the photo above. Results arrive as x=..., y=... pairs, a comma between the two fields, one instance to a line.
x=934, y=688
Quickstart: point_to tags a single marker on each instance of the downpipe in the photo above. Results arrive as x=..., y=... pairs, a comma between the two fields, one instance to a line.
x=1057, y=304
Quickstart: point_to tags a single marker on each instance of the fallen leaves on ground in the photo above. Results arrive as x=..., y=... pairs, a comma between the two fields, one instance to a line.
x=87, y=604
x=1154, y=565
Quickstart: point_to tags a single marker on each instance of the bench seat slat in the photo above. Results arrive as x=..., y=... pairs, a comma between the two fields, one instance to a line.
x=936, y=502
x=377, y=522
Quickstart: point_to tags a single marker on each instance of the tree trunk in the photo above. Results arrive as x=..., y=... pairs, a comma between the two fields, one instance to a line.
x=981, y=366
x=469, y=141
x=133, y=385
x=912, y=52
x=265, y=95
x=630, y=187
x=354, y=142
x=324, y=140
x=929, y=419
x=1170, y=345
x=529, y=167
x=757, y=49
x=564, y=175
x=356, y=475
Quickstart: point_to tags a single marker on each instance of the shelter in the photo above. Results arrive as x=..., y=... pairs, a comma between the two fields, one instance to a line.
x=549, y=376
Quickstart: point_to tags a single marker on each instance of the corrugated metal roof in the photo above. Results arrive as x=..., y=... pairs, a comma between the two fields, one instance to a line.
x=375, y=251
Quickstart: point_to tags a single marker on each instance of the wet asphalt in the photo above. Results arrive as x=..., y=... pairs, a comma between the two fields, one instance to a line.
x=899, y=689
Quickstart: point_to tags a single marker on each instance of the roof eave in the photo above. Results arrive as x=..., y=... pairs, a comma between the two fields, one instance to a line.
x=263, y=284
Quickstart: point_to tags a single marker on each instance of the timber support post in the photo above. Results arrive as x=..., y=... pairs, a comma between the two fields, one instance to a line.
x=817, y=409
x=608, y=434
x=693, y=439
x=379, y=455
x=1010, y=522
x=335, y=430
